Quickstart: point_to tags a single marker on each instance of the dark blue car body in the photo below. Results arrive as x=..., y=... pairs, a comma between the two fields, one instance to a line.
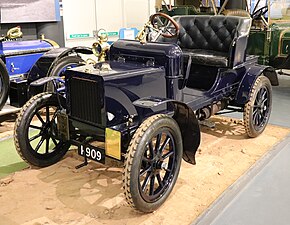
x=139, y=86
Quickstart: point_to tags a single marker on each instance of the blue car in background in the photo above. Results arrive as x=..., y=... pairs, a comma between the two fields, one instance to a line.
x=16, y=60
x=22, y=62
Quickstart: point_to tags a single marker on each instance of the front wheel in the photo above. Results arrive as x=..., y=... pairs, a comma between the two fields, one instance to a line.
x=152, y=163
x=258, y=109
x=36, y=135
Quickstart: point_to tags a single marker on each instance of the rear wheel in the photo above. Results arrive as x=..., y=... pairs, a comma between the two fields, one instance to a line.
x=152, y=163
x=4, y=84
x=258, y=109
x=35, y=135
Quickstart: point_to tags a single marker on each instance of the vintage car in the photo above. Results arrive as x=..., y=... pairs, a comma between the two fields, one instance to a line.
x=270, y=33
x=16, y=59
x=143, y=105
x=270, y=30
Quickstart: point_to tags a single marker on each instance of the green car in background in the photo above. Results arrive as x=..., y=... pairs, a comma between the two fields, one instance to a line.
x=270, y=32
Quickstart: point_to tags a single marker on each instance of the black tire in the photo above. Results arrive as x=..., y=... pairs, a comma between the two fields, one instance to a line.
x=4, y=84
x=258, y=109
x=60, y=66
x=150, y=175
x=34, y=126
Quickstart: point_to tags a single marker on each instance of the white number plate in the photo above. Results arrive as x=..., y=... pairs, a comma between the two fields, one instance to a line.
x=91, y=152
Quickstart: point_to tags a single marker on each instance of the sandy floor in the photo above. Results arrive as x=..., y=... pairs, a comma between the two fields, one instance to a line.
x=6, y=127
x=91, y=195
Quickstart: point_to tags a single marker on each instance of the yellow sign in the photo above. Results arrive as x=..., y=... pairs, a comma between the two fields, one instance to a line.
x=113, y=143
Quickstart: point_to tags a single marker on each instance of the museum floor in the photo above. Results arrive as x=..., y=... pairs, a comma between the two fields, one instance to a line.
x=60, y=194
x=261, y=196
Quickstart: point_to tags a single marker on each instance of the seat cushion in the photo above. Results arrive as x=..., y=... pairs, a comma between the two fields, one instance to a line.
x=207, y=57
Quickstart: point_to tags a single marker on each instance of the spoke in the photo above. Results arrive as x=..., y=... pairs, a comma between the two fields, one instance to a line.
x=35, y=127
x=54, y=141
x=159, y=180
x=40, y=118
x=168, y=154
x=39, y=144
x=168, y=30
x=144, y=171
x=47, y=145
x=151, y=150
x=255, y=118
x=256, y=103
x=152, y=182
x=265, y=99
x=145, y=156
x=165, y=143
x=146, y=181
x=157, y=144
x=34, y=137
x=264, y=93
x=168, y=170
x=261, y=92
x=54, y=115
x=260, y=118
x=255, y=111
x=258, y=96
x=47, y=114
x=146, y=159
x=161, y=23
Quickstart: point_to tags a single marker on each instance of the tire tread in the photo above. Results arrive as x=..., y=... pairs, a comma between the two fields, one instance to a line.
x=18, y=120
x=248, y=105
x=131, y=154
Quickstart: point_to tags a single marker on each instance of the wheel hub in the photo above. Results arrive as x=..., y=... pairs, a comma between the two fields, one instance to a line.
x=156, y=165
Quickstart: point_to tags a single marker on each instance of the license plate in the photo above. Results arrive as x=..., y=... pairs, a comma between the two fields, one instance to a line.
x=91, y=152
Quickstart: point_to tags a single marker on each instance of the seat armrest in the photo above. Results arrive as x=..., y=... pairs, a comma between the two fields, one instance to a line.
x=239, y=44
x=238, y=51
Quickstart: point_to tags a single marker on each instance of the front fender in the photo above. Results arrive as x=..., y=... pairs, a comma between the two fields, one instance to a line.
x=186, y=120
x=37, y=86
x=47, y=61
x=42, y=66
x=44, y=80
x=248, y=80
x=78, y=49
x=74, y=50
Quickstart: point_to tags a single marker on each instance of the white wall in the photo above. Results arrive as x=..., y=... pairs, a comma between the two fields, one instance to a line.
x=110, y=15
x=136, y=12
x=79, y=17
x=87, y=16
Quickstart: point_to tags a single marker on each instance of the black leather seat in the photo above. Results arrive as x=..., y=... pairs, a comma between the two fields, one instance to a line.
x=218, y=41
x=207, y=57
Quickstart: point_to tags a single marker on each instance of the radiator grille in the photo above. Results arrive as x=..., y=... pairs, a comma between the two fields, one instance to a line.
x=85, y=101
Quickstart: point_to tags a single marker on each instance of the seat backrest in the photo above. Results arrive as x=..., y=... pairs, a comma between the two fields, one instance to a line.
x=211, y=32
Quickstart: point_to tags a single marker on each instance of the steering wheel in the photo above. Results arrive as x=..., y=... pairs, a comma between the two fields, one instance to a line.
x=163, y=23
x=260, y=12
